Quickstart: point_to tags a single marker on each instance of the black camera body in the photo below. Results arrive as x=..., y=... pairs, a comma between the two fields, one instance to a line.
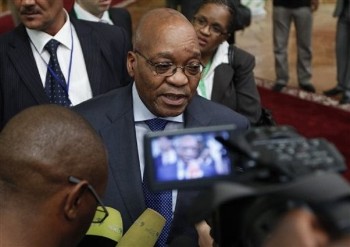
x=274, y=154
x=244, y=217
x=250, y=180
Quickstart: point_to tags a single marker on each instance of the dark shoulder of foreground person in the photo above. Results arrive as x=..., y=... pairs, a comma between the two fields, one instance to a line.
x=99, y=109
x=217, y=114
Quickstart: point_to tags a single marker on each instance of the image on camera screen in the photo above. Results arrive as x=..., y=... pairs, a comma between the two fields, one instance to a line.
x=187, y=158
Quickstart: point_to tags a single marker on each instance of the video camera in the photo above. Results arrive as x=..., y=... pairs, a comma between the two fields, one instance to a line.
x=249, y=180
x=220, y=153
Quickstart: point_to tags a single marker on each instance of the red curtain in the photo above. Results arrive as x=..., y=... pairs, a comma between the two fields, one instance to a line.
x=6, y=22
x=68, y=4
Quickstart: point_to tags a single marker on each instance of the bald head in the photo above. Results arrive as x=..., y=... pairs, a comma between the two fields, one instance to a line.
x=165, y=36
x=43, y=145
x=160, y=23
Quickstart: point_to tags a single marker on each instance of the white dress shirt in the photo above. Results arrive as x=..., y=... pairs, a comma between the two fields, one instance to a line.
x=221, y=56
x=85, y=15
x=69, y=52
x=141, y=113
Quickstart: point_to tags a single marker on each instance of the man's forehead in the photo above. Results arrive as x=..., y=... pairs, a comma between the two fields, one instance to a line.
x=167, y=43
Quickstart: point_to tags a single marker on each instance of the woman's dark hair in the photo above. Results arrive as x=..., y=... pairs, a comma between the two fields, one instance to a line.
x=229, y=4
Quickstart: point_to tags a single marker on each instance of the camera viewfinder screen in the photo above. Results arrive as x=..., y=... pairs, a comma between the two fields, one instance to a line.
x=190, y=156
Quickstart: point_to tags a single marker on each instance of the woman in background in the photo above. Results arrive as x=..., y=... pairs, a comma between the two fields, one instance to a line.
x=229, y=82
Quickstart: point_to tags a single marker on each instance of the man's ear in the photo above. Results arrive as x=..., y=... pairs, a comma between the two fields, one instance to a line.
x=73, y=201
x=131, y=60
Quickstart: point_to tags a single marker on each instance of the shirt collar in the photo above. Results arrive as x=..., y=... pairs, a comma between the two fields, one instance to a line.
x=40, y=38
x=141, y=112
x=85, y=15
x=220, y=56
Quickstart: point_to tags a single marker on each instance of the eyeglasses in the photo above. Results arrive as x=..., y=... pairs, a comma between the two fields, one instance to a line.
x=202, y=22
x=169, y=69
x=103, y=213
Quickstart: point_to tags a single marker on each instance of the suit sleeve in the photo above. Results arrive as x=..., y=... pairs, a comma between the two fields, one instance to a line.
x=248, y=99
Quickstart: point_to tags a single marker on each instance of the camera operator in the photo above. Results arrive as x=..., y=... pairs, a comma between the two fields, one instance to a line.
x=298, y=228
x=312, y=211
x=301, y=228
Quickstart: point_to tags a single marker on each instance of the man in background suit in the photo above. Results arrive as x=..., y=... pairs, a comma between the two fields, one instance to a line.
x=342, y=52
x=166, y=68
x=95, y=10
x=299, y=13
x=47, y=198
x=91, y=56
x=187, y=8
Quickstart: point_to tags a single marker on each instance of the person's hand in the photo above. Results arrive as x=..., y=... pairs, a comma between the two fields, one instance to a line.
x=204, y=238
x=298, y=228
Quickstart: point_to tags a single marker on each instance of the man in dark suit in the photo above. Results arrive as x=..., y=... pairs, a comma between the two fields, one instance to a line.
x=95, y=10
x=166, y=68
x=298, y=13
x=90, y=65
x=188, y=8
x=342, y=52
x=165, y=161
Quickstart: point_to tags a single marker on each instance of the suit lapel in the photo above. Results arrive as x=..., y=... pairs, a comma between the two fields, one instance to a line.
x=195, y=114
x=22, y=58
x=222, y=79
x=91, y=51
x=123, y=153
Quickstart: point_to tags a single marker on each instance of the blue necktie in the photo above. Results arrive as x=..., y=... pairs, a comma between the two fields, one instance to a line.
x=55, y=84
x=159, y=201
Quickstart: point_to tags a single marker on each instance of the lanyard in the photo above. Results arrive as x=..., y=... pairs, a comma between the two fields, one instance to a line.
x=61, y=82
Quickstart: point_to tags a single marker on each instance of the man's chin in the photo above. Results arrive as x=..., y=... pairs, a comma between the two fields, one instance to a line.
x=32, y=23
x=171, y=112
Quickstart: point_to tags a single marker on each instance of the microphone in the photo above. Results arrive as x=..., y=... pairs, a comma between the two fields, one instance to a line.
x=145, y=231
x=106, y=234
